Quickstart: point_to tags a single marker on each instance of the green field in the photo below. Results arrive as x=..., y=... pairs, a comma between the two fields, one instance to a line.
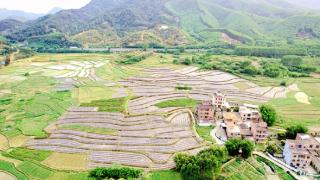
x=34, y=171
x=189, y=103
x=32, y=106
x=27, y=154
x=90, y=129
x=241, y=170
x=108, y=105
x=167, y=175
x=282, y=173
x=9, y=167
x=204, y=132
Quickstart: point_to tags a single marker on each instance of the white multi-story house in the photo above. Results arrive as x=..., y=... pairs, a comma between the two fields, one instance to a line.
x=299, y=152
x=219, y=100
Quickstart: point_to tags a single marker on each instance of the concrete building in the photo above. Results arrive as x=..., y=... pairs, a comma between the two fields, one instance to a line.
x=300, y=152
x=259, y=130
x=205, y=112
x=219, y=100
x=249, y=112
x=232, y=121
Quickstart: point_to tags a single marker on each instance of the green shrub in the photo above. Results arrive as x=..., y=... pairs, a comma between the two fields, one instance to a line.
x=5, y=101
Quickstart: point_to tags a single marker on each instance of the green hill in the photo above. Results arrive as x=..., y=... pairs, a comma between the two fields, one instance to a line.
x=202, y=22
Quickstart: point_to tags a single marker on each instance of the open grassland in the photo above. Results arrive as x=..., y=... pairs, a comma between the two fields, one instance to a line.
x=241, y=170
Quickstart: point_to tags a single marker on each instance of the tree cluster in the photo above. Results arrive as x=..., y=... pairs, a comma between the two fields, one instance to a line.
x=240, y=147
x=292, y=131
x=268, y=114
x=203, y=166
x=295, y=64
x=115, y=173
x=134, y=59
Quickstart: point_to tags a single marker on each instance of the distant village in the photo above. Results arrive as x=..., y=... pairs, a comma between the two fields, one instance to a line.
x=244, y=121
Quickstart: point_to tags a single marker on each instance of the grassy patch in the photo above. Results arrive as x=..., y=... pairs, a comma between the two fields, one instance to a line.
x=282, y=173
x=186, y=102
x=242, y=85
x=183, y=87
x=85, y=94
x=27, y=154
x=90, y=129
x=63, y=161
x=9, y=167
x=34, y=171
x=69, y=176
x=108, y=105
x=204, y=132
x=166, y=174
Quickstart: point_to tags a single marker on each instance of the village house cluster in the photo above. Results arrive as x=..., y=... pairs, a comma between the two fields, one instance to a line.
x=238, y=121
x=303, y=152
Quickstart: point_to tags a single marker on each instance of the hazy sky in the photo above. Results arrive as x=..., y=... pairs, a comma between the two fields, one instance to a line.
x=41, y=6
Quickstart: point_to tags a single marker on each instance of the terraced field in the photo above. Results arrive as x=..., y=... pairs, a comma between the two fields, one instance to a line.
x=146, y=141
x=161, y=86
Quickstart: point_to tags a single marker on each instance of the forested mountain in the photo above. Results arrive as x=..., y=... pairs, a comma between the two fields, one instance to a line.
x=18, y=15
x=313, y=4
x=175, y=22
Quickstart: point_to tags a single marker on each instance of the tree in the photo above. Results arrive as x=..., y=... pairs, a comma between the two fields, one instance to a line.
x=181, y=160
x=202, y=166
x=232, y=146
x=239, y=147
x=246, y=147
x=268, y=113
x=292, y=131
x=219, y=152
